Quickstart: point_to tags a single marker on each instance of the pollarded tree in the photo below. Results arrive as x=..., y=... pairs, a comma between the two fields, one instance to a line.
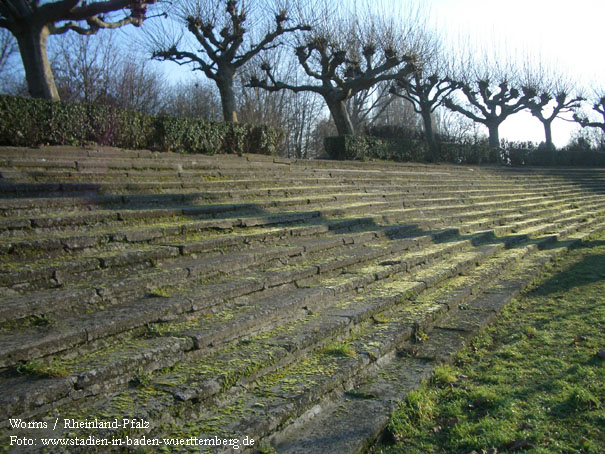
x=599, y=107
x=33, y=21
x=425, y=89
x=489, y=97
x=226, y=44
x=342, y=57
x=554, y=97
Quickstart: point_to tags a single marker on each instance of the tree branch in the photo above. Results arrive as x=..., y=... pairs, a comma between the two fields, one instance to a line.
x=269, y=38
x=95, y=24
x=467, y=113
x=93, y=9
x=184, y=58
x=276, y=86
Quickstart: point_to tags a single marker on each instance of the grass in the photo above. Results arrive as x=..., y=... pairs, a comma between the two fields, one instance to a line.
x=42, y=370
x=339, y=349
x=161, y=292
x=531, y=383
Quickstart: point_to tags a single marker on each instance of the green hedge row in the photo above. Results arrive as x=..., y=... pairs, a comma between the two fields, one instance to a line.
x=467, y=153
x=554, y=158
x=367, y=147
x=32, y=122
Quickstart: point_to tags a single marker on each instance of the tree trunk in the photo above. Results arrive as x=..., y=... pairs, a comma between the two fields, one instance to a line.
x=494, y=137
x=429, y=133
x=32, y=45
x=225, y=88
x=338, y=109
x=548, y=134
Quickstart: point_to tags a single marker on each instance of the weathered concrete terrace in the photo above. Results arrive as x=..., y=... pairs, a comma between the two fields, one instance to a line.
x=295, y=302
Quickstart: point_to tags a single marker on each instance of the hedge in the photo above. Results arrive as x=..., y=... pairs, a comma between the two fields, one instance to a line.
x=367, y=147
x=554, y=158
x=33, y=122
x=467, y=153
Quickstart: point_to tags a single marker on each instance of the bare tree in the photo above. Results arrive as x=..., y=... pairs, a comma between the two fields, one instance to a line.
x=295, y=113
x=137, y=86
x=367, y=106
x=8, y=48
x=192, y=99
x=342, y=57
x=226, y=43
x=554, y=96
x=31, y=22
x=8, y=68
x=426, y=88
x=456, y=128
x=83, y=67
x=93, y=69
x=397, y=114
x=426, y=91
x=489, y=96
x=597, y=106
x=587, y=139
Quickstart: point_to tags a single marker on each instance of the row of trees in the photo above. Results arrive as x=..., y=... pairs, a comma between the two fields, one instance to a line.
x=281, y=63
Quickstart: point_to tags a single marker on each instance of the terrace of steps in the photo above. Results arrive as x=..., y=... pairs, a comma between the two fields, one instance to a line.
x=295, y=302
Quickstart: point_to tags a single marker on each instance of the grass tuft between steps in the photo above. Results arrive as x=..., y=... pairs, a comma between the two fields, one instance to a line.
x=531, y=383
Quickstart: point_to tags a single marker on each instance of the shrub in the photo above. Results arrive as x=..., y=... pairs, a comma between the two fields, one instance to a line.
x=467, y=153
x=119, y=127
x=541, y=157
x=32, y=122
x=368, y=147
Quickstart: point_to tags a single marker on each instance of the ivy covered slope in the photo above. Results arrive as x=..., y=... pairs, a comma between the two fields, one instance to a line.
x=293, y=302
x=531, y=383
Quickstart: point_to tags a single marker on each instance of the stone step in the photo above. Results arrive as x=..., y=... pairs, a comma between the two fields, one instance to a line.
x=301, y=389
x=67, y=273
x=158, y=354
x=89, y=167
x=32, y=224
x=104, y=371
x=103, y=165
x=231, y=186
x=92, y=199
x=133, y=234
x=256, y=295
x=96, y=151
x=351, y=420
x=105, y=290
x=69, y=332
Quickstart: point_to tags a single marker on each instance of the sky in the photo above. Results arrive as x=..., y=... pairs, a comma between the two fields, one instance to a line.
x=566, y=34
